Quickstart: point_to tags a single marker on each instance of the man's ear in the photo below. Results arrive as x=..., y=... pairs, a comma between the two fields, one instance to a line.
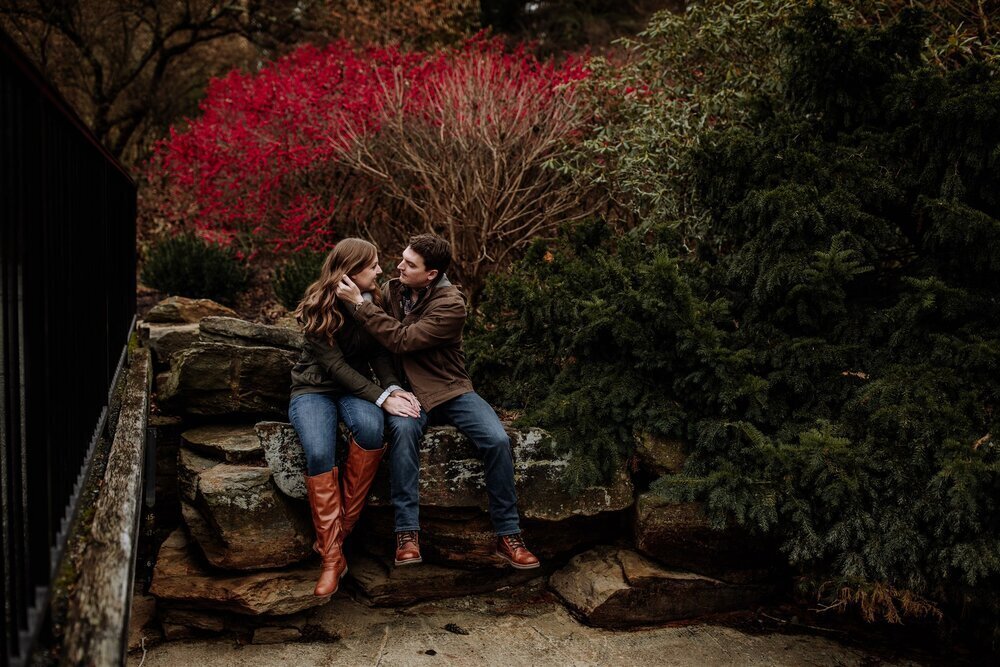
x=432, y=275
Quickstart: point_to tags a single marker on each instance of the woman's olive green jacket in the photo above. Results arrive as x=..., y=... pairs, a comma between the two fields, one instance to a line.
x=356, y=364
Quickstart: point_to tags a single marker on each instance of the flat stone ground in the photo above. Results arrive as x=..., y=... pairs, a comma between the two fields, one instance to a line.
x=524, y=626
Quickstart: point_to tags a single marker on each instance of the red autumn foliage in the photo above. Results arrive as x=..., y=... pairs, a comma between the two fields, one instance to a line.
x=263, y=166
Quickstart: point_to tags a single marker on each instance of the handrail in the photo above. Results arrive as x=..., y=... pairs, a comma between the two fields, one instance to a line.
x=67, y=308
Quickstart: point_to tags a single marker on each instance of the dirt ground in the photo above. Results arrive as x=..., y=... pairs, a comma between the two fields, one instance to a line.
x=517, y=627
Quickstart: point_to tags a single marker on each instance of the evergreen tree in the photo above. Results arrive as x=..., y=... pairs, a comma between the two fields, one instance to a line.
x=831, y=349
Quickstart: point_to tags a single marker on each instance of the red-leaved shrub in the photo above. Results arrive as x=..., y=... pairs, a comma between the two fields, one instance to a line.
x=329, y=142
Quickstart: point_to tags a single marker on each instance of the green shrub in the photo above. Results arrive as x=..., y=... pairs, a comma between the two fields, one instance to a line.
x=293, y=277
x=185, y=265
x=832, y=347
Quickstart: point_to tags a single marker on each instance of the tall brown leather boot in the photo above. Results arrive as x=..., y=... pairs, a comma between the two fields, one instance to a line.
x=362, y=464
x=327, y=514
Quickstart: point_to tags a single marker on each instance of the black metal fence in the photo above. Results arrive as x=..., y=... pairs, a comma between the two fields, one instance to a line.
x=67, y=304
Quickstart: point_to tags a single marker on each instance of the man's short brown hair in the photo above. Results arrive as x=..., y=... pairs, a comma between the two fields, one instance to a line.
x=435, y=251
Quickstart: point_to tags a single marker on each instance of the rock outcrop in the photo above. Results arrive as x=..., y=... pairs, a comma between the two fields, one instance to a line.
x=243, y=561
x=453, y=501
x=234, y=512
x=225, y=366
x=180, y=579
x=613, y=587
x=226, y=379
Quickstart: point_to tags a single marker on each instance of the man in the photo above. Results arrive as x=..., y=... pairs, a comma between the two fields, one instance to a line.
x=422, y=323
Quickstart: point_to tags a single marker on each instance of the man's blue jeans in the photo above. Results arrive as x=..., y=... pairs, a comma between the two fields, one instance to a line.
x=476, y=419
x=314, y=417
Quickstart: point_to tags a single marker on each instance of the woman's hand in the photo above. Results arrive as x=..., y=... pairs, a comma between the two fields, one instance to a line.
x=408, y=396
x=401, y=407
x=348, y=292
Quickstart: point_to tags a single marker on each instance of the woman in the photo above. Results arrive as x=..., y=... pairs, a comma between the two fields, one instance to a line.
x=332, y=381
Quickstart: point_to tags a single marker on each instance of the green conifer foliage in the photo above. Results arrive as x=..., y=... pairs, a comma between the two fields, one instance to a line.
x=862, y=223
x=833, y=350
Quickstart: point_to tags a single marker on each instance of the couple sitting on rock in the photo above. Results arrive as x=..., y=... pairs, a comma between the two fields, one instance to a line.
x=409, y=334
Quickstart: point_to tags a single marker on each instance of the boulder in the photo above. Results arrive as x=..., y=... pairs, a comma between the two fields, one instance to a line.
x=658, y=455
x=167, y=339
x=284, y=456
x=227, y=379
x=179, y=578
x=618, y=588
x=386, y=586
x=180, y=309
x=242, y=332
x=451, y=474
x=229, y=443
x=240, y=520
x=679, y=535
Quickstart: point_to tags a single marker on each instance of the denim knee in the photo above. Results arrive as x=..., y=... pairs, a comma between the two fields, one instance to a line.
x=364, y=420
x=405, y=429
x=496, y=440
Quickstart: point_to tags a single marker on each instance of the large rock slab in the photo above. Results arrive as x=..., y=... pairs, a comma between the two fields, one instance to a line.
x=181, y=578
x=240, y=520
x=228, y=379
x=167, y=339
x=679, y=535
x=242, y=332
x=618, y=588
x=451, y=474
x=180, y=309
x=229, y=443
x=386, y=586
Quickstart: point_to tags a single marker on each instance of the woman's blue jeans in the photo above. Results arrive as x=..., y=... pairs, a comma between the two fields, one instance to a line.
x=476, y=419
x=315, y=416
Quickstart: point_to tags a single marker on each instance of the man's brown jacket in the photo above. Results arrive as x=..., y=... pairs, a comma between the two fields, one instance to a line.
x=427, y=342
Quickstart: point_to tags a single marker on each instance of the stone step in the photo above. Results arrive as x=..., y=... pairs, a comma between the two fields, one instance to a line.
x=183, y=579
x=230, y=443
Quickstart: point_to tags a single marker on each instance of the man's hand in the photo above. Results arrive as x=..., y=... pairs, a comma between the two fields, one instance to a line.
x=348, y=292
x=399, y=406
x=408, y=396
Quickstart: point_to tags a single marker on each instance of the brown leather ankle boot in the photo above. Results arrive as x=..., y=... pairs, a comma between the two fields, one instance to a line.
x=362, y=464
x=513, y=550
x=408, y=548
x=327, y=515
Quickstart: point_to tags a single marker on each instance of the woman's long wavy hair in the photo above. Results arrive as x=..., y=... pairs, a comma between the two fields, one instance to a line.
x=317, y=312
